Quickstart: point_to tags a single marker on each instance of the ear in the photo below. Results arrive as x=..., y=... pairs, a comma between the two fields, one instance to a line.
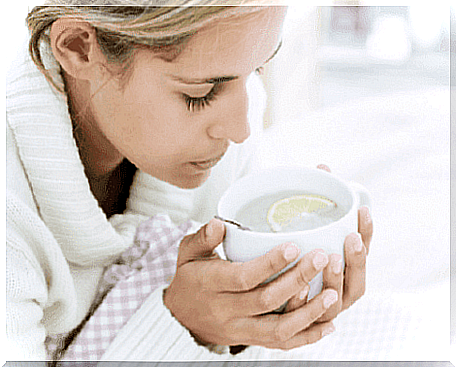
x=75, y=47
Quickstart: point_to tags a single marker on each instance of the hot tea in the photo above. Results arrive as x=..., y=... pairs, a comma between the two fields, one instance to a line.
x=289, y=211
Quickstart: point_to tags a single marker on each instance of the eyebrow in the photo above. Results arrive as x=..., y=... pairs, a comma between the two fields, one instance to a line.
x=217, y=80
x=220, y=79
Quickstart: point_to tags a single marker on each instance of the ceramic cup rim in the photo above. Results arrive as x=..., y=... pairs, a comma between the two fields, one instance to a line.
x=345, y=185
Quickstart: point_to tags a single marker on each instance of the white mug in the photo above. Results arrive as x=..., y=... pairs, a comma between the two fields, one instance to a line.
x=244, y=245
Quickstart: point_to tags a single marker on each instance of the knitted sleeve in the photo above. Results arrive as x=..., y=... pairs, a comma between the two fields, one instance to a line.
x=40, y=293
x=154, y=334
x=25, y=292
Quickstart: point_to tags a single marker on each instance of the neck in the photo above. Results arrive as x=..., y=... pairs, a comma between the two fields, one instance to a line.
x=98, y=155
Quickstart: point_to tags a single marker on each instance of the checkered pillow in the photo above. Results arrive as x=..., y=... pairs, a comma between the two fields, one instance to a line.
x=142, y=268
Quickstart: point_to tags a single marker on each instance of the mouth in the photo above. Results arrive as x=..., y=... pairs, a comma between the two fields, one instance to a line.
x=207, y=164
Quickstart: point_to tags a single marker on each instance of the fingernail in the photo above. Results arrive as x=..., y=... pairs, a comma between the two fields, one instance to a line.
x=356, y=243
x=330, y=298
x=337, y=265
x=291, y=252
x=328, y=330
x=320, y=260
x=359, y=243
x=304, y=293
x=209, y=228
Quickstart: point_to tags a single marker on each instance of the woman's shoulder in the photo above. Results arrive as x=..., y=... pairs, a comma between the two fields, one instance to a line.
x=26, y=232
x=23, y=75
x=17, y=185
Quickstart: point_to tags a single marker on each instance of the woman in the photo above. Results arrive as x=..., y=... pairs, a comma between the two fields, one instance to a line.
x=161, y=90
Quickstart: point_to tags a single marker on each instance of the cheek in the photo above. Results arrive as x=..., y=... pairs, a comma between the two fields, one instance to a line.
x=154, y=126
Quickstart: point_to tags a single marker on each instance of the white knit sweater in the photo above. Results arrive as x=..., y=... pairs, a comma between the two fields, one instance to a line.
x=59, y=240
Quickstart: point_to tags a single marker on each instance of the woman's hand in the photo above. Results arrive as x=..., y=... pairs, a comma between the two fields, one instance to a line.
x=225, y=303
x=351, y=283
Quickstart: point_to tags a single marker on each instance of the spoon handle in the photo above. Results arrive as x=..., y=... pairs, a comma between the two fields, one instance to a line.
x=230, y=221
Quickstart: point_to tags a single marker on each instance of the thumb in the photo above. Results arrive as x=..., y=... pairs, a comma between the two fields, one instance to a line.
x=324, y=167
x=202, y=243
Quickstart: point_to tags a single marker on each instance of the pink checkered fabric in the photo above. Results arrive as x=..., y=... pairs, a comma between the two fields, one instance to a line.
x=148, y=264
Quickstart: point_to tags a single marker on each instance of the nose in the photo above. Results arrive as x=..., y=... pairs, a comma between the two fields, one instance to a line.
x=231, y=120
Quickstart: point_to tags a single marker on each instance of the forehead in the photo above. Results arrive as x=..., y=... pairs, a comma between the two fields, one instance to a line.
x=234, y=46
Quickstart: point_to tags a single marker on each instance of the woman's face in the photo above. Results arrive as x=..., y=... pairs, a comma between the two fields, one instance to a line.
x=175, y=120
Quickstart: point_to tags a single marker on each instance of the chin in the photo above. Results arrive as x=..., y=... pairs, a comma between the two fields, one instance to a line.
x=192, y=182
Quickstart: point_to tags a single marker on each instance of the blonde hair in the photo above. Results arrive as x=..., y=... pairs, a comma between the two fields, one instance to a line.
x=123, y=25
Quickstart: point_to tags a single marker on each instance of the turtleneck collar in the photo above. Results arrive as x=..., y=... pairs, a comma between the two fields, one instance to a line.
x=39, y=118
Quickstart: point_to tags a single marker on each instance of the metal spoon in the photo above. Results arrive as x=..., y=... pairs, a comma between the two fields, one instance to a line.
x=230, y=221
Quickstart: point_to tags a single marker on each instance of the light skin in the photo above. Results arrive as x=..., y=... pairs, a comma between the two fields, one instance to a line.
x=157, y=120
x=131, y=122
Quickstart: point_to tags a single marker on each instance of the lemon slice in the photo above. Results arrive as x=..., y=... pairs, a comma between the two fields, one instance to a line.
x=282, y=212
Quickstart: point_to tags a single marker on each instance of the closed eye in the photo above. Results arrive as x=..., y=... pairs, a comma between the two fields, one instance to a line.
x=198, y=103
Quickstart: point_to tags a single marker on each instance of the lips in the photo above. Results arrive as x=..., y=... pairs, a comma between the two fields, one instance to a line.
x=206, y=164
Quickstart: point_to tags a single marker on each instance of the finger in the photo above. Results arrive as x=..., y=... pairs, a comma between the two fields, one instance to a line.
x=278, y=329
x=271, y=296
x=242, y=277
x=300, y=299
x=355, y=270
x=300, y=319
x=324, y=167
x=333, y=278
x=201, y=244
x=297, y=300
x=365, y=226
x=308, y=336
